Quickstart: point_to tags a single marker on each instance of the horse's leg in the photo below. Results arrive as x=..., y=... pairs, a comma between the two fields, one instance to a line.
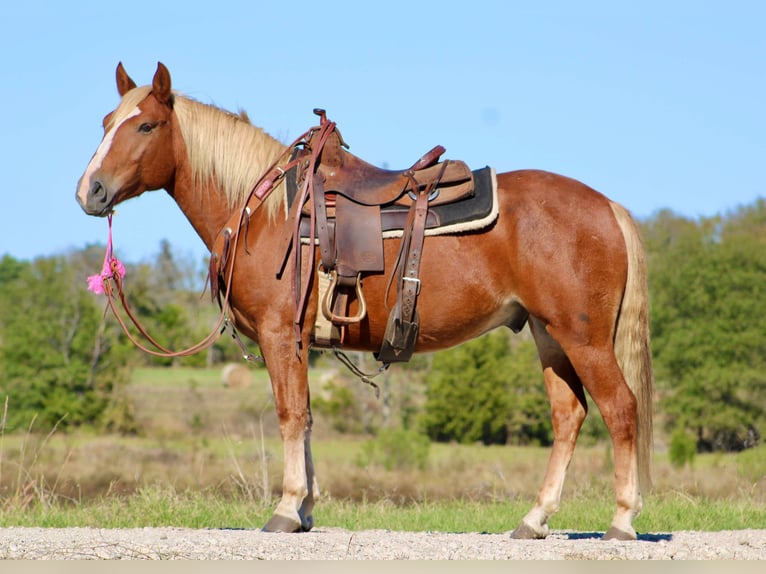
x=307, y=520
x=289, y=381
x=568, y=411
x=600, y=373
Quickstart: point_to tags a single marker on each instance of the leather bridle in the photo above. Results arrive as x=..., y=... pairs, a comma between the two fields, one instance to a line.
x=229, y=240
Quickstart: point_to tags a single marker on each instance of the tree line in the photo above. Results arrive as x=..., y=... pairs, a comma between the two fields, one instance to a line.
x=64, y=362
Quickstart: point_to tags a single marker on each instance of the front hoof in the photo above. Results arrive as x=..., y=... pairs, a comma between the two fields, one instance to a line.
x=279, y=523
x=619, y=534
x=526, y=532
x=307, y=523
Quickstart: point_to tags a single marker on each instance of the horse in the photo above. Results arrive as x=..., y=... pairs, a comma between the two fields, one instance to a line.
x=559, y=254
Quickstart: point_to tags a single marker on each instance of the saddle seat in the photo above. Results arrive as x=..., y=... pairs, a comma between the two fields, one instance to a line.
x=361, y=182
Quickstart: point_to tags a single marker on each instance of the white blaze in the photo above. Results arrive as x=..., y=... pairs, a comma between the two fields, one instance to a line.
x=98, y=157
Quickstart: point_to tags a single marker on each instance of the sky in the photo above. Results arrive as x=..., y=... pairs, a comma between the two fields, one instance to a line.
x=657, y=104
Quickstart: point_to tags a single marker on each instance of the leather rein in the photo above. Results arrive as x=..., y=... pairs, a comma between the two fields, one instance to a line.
x=113, y=285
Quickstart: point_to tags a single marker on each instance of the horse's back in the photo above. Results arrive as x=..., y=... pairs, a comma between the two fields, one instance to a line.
x=556, y=218
x=554, y=248
x=549, y=195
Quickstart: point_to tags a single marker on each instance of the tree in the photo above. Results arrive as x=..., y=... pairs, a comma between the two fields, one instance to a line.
x=708, y=296
x=483, y=391
x=58, y=361
x=529, y=420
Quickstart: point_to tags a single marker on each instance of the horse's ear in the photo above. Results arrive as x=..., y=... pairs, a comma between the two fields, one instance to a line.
x=161, y=85
x=124, y=82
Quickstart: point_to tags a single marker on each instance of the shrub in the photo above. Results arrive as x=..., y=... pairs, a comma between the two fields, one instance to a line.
x=338, y=404
x=488, y=390
x=683, y=448
x=751, y=464
x=397, y=449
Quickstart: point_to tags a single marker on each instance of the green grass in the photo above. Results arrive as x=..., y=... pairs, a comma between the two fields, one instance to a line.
x=163, y=506
x=203, y=462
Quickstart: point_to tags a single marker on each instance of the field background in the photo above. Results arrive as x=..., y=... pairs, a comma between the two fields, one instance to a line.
x=210, y=456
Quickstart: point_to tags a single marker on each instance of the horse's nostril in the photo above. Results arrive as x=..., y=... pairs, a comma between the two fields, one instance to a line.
x=97, y=191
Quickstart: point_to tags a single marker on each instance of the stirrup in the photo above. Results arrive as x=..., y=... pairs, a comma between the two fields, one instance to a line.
x=327, y=302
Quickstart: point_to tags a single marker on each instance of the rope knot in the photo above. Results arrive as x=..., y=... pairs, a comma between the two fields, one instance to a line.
x=112, y=267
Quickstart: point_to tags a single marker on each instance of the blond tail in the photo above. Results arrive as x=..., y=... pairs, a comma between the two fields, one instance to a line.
x=631, y=341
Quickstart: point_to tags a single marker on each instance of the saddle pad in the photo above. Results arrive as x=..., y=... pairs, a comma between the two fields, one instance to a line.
x=469, y=214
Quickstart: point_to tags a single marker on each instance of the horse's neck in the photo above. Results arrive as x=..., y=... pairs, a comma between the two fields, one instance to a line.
x=206, y=209
x=206, y=206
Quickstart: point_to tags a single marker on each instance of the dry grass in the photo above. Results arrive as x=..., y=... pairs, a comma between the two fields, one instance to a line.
x=82, y=467
x=202, y=437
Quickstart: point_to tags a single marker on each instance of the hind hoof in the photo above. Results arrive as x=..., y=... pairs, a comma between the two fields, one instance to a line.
x=619, y=534
x=526, y=532
x=278, y=523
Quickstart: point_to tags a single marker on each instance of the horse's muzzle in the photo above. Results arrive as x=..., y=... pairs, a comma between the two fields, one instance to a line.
x=97, y=199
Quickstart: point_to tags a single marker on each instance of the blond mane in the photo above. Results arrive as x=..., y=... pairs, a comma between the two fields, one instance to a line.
x=222, y=146
x=226, y=147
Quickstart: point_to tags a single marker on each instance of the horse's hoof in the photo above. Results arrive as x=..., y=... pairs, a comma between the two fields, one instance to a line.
x=307, y=523
x=619, y=534
x=526, y=532
x=278, y=523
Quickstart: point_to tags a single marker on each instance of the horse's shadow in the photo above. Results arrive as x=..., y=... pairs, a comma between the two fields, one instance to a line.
x=647, y=537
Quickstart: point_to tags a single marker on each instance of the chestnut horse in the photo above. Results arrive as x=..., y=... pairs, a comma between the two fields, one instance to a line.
x=559, y=253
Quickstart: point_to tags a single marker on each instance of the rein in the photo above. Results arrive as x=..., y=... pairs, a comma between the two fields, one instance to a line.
x=110, y=280
x=112, y=284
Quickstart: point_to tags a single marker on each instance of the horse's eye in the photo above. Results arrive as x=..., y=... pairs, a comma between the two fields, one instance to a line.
x=146, y=128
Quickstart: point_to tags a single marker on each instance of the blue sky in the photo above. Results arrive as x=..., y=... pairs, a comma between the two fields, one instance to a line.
x=657, y=104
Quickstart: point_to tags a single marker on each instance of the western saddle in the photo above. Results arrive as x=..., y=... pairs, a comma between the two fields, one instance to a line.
x=344, y=204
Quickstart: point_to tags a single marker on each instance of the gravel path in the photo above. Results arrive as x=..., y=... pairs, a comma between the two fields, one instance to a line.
x=339, y=544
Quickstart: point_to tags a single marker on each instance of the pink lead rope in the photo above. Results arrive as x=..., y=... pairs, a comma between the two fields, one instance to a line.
x=111, y=264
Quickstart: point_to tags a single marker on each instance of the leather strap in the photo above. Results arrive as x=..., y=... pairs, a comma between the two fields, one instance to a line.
x=410, y=282
x=326, y=248
x=300, y=288
x=413, y=243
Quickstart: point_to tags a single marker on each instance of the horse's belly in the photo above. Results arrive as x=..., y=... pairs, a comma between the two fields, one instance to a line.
x=444, y=321
x=453, y=326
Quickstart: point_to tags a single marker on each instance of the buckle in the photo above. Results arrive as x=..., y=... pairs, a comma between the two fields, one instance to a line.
x=414, y=280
